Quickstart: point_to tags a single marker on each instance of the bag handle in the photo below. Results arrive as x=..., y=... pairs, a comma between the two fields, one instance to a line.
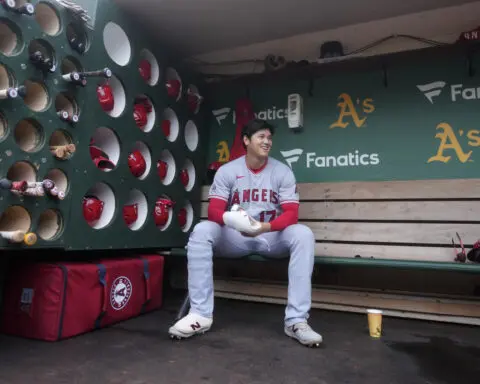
x=102, y=278
x=146, y=275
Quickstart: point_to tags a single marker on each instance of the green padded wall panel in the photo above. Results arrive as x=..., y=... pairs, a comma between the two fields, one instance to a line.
x=82, y=174
x=362, y=110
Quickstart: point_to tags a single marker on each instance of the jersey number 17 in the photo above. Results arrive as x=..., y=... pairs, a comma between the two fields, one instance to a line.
x=268, y=215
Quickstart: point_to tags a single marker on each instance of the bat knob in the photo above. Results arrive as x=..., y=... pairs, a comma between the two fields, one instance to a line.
x=48, y=184
x=5, y=184
x=30, y=238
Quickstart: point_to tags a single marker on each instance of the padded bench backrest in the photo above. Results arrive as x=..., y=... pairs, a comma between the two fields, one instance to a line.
x=398, y=220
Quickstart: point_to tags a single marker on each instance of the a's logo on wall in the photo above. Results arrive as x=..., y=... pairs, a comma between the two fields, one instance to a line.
x=223, y=151
x=221, y=114
x=351, y=111
x=432, y=90
x=450, y=144
x=120, y=293
x=292, y=156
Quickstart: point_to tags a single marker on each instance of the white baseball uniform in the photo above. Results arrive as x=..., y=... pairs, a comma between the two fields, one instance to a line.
x=261, y=195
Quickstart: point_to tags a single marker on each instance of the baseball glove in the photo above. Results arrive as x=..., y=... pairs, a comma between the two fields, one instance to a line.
x=238, y=219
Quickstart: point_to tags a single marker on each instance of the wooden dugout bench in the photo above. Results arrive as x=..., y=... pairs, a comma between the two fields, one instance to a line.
x=394, y=224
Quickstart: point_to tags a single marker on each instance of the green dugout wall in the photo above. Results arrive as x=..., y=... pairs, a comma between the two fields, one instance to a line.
x=405, y=116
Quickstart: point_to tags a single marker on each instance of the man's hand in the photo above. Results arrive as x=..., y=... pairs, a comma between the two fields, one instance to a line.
x=242, y=222
x=264, y=227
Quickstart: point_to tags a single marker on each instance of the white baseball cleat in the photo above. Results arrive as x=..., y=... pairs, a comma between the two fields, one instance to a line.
x=190, y=325
x=304, y=334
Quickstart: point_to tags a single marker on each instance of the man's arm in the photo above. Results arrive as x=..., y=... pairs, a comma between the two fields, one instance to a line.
x=288, y=217
x=289, y=202
x=218, y=195
x=216, y=209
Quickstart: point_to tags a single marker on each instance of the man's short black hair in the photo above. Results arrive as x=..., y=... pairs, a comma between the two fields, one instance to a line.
x=255, y=125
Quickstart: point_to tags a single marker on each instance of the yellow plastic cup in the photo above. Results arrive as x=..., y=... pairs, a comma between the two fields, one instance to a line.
x=375, y=322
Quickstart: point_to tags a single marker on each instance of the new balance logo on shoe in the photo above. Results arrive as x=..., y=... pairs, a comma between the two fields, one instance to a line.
x=195, y=326
x=432, y=90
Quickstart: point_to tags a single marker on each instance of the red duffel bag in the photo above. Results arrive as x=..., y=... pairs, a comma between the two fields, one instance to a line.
x=53, y=301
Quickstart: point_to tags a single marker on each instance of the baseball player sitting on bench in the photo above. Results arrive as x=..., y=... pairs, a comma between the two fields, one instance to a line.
x=261, y=193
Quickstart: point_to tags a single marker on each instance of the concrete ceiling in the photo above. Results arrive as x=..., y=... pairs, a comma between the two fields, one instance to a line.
x=202, y=26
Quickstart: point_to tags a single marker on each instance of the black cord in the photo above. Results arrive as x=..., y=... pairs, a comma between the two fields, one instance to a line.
x=378, y=42
x=363, y=49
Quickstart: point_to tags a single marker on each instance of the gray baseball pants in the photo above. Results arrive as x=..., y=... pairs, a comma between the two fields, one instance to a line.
x=209, y=237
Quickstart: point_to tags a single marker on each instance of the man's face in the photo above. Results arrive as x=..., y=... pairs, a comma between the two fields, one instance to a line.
x=260, y=143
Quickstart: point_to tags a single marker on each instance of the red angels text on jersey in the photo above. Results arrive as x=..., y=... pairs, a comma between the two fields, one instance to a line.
x=263, y=195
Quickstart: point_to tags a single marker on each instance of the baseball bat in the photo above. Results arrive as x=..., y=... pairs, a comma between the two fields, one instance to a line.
x=36, y=191
x=22, y=91
x=62, y=151
x=19, y=185
x=30, y=238
x=63, y=114
x=60, y=195
x=18, y=236
x=5, y=184
x=66, y=117
x=105, y=72
x=13, y=236
x=26, y=9
x=13, y=185
x=8, y=93
x=48, y=184
x=75, y=78
x=9, y=4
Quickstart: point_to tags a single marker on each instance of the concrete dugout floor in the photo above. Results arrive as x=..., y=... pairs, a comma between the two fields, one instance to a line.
x=247, y=345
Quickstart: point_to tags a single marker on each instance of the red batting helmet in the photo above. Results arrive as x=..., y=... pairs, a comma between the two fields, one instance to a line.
x=92, y=209
x=140, y=115
x=173, y=88
x=166, y=127
x=194, y=100
x=212, y=170
x=182, y=217
x=130, y=213
x=100, y=158
x=145, y=69
x=105, y=97
x=160, y=213
x=162, y=168
x=184, y=177
x=137, y=163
